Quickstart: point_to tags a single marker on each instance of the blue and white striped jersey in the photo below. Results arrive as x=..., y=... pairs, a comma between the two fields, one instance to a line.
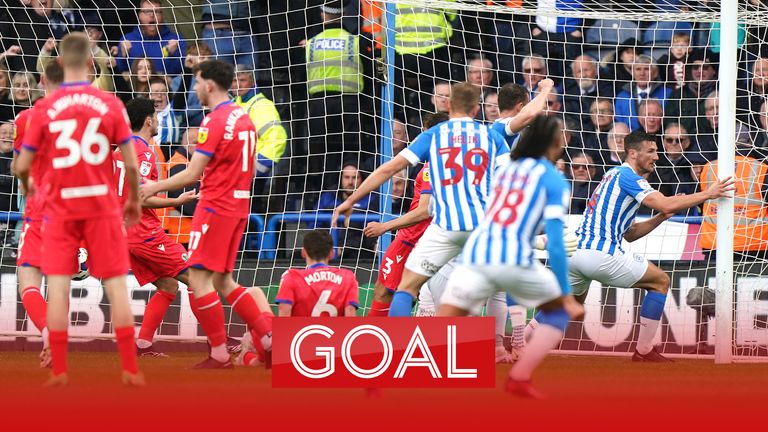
x=500, y=126
x=526, y=193
x=168, y=131
x=462, y=155
x=612, y=209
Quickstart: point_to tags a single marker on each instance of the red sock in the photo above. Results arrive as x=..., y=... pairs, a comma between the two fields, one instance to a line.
x=127, y=348
x=58, y=344
x=378, y=309
x=249, y=357
x=35, y=305
x=245, y=306
x=210, y=313
x=153, y=314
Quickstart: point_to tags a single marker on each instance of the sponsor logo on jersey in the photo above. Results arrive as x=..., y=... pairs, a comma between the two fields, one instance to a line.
x=202, y=135
x=381, y=352
x=643, y=183
x=425, y=176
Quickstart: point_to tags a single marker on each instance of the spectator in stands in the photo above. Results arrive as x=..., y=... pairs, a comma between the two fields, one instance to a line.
x=614, y=154
x=141, y=71
x=643, y=86
x=619, y=65
x=650, y=114
x=491, y=107
x=399, y=136
x=228, y=32
x=7, y=181
x=673, y=65
x=686, y=104
x=102, y=62
x=12, y=51
x=582, y=173
x=400, y=202
x=23, y=23
x=707, y=128
x=554, y=105
x=480, y=73
x=6, y=104
x=674, y=167
x=595, y=134
x=758, y=90
x=168, y=131
x=760, y=134
x=24, y=91
x=184, y=97
x=441, y=96
x=340, y=103
x=534, y=70
x=178, y=221
x=154, y=40
x=557, y=38
x=582, y=88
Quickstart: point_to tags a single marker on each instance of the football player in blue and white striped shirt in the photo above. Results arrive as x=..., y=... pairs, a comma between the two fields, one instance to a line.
x=608, y=221
x=462, y=155
x=516, y=111
x=529, y=193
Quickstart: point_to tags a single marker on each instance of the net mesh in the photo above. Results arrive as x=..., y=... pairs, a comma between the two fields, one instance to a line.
x=618, y=66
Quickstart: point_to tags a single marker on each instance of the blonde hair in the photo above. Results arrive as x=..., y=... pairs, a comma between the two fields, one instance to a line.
x=30, y=80
x=681, y=37
x=75, y=50
x=464, y=97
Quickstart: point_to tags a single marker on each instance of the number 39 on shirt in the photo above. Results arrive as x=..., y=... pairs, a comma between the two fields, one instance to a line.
x=475, y=160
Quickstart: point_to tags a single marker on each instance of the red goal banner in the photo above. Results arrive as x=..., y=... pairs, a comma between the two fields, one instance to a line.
x=383, y=352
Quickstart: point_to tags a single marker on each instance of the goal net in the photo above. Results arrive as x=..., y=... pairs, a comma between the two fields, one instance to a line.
x=324, y=124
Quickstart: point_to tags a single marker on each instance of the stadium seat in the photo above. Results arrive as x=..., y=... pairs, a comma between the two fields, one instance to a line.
x=604, y=34
x=660, y=33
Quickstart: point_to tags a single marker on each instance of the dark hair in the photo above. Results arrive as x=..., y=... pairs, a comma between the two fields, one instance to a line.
x=433, y=119
x=138, y=110
x=537, y=137
x=217, y=71
x=635, y=140
x=318, y=244
x=464, y=97
x=512, y=94
x=156, y=79
x=54, y=73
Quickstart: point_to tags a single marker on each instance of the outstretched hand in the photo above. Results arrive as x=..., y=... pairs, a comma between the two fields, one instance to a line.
x=722, y=188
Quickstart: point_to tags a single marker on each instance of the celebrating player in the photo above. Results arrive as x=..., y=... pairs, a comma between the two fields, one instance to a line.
x=462, y=154
x=410, y=226
x=74, y=130
x=224, y=156
x=608, y=220
x=155, y=258
x=29, y=256
x=516, y=112
x=528, y=193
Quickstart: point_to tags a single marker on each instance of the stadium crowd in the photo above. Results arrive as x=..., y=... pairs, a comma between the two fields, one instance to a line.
x=319, y=126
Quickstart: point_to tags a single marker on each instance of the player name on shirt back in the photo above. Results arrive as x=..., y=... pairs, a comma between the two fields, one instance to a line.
x=91, y=101
x=323, y=276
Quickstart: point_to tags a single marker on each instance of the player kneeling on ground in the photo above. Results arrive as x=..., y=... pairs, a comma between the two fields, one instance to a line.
x=527, y=194
x=315, y=291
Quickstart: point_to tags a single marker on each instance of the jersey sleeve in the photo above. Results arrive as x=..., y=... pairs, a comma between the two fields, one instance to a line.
x=418, y=151
x=558, y=196
x=426, y=185
x=502, y=149
x=634, y=185
x=34, y=136
x=209, y=136
x=351, y=298
x=285, y=293
x=20, y=125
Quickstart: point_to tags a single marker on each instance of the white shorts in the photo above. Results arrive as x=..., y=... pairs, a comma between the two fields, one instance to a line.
x=622, y=270
x=434, y=249
x=432, y=291
x=470, y=287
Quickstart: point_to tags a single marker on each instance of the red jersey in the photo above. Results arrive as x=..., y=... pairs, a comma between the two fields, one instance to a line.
x=34, y=206
x=413, y=233
x=150, y=225
x=76, y=128
x=318, y=290
x=227, y=136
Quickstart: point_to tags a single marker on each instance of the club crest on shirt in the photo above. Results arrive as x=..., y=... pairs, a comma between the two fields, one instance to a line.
x=202, y=135
x=643, y=183
x=145, y=168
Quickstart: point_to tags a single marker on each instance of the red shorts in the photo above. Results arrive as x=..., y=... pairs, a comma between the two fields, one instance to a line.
x=214, y=241
x=30, y=244
x=393, y=263
x=103, y=237
x=158, y=258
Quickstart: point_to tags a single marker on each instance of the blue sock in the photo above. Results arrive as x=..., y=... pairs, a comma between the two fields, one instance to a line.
x=537, y=317
x=402, y=303
x=653, y=305
x=557, y=318
x=510, y=301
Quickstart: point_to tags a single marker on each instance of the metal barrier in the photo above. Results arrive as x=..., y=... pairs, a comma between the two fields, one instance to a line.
x=269, y=244
x=10, y=216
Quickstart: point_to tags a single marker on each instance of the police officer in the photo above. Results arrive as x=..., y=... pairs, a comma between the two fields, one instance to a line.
x=340, y=88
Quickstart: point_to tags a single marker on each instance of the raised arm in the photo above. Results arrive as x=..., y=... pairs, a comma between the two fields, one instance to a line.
x=420, y=213
x=190, y=175
x=532, y=109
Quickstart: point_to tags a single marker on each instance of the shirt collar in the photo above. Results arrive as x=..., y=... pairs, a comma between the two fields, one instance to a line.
x=136, y=137
x=317, y=265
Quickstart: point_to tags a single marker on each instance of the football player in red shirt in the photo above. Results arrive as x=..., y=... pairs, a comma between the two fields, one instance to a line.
x=411, y=226
x=224, y=157
x=29, y=256
x=155, y=258
x=317, y=290
x=76, y=128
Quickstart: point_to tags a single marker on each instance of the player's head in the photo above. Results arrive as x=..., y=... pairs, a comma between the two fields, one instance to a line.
x=141, y=114
x=213, y=77
x=52, y=77
x=543, y=137
x=465, y=100
x=75, y=52
x=641, y=152
x=431, y=120
x=512, y=98
x=318, y=246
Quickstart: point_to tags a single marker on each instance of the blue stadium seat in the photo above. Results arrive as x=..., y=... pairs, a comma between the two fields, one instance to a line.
x=660, y=33
x=604, y=34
